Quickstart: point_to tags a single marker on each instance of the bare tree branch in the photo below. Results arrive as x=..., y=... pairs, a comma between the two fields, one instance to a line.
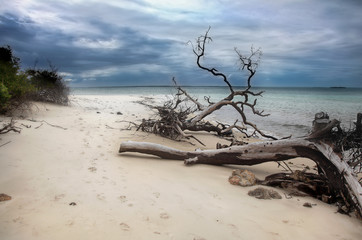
x=9, y=127
x=200, y=107
x=199, y=51
x=175, y=116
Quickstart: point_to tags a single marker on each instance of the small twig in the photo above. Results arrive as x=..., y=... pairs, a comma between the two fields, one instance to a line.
x=129, y=125
x=43, y=121
x=286, y=169
x=109, y=127
x=288, y=166
x=5, y=143
x=188, y=135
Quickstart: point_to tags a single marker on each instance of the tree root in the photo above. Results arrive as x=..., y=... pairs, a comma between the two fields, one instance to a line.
x=10, y=127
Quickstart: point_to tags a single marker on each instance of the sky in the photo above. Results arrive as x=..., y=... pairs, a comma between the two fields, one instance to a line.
x=305, y=43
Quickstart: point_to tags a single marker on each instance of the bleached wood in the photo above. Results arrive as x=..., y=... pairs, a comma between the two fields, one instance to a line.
x=339, y=174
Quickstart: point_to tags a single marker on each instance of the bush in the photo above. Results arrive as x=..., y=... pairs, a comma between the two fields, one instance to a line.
x=4, y=96
x=49, y=86
x=15, y=88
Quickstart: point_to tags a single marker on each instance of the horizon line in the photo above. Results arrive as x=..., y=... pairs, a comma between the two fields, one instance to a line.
x=136, y=86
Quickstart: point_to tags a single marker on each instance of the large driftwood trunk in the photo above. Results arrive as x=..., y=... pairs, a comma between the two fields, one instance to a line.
x=340, y=175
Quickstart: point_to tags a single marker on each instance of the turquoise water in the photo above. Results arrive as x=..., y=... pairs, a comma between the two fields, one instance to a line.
x=291, y=110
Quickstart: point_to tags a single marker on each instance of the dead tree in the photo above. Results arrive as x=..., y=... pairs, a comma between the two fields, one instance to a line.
x=320, y=146
x=326, y=146
x=173, y=120
x=239, y=100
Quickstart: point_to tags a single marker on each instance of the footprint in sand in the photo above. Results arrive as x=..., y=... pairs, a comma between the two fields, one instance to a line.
x=164, y=216
x=124, y=226
x=69, y=223
x=58, y=197
x=101, y=196
x=156, y=194
x=123, y=198
x=92, y=169
x=18, y=220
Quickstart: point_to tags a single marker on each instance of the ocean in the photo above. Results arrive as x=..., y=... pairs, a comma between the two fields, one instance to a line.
x=291, y=110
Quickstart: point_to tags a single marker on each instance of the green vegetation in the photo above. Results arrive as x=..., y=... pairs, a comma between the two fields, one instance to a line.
x=14, y=85
x=18, y=88
x=49, y=86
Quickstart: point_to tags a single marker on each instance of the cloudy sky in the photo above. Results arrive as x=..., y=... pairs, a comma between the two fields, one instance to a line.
x=143, y=42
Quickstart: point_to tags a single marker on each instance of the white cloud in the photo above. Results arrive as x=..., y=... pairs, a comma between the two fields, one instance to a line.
x=119, y=70
x=146, y=68
x=100, y=72
x=97, y=43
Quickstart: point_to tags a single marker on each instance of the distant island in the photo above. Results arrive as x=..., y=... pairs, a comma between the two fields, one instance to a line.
x=337, y=87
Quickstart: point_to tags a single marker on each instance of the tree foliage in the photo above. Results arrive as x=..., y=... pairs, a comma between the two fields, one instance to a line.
x=15, y=87
x=18, y=87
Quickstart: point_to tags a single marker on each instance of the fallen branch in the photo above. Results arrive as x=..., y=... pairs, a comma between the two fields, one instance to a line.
x=339, y=174
x=181, y=91
x=43, y=121
x=9, y=127
x=175, y=116
x=5, y=143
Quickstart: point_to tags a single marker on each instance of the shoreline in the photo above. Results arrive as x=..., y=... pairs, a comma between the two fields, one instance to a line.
x=134, y=196
x=291, y=110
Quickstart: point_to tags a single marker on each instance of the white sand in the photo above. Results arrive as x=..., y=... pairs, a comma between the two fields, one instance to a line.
x=134, y=196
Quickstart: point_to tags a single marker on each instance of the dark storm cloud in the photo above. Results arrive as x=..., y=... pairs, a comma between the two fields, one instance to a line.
x=305, y=43
x=115, y=50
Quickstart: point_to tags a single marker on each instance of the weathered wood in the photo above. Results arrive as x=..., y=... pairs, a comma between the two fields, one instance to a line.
x=9, y=127
x=323, y=130
x=359, y=124
x=321, y=120
x=338, y=172
x=251, y=154
x=175, y=116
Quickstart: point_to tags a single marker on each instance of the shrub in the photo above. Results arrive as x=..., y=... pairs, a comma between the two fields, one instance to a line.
x=4, y=96
x=49, y=86
x=15, y=88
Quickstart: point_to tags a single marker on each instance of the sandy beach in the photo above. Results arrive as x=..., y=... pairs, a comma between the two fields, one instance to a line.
x=68, y=181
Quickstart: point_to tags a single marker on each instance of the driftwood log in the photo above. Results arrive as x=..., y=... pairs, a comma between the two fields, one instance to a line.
x=342, y=179
x=340, y=175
